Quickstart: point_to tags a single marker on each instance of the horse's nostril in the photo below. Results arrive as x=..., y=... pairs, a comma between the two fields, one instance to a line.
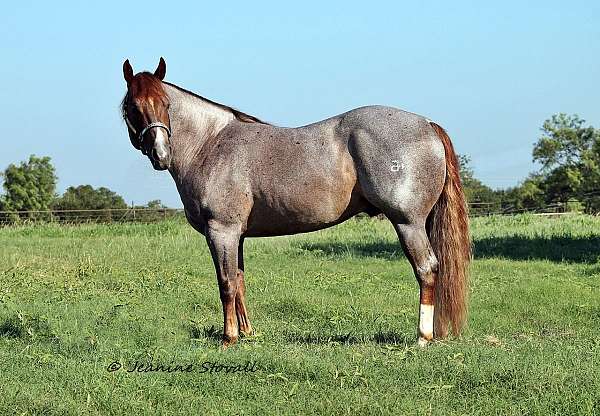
x=154, y=154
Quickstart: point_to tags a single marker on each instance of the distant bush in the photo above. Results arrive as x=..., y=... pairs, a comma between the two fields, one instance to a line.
x=77, y=201
x=29, y=188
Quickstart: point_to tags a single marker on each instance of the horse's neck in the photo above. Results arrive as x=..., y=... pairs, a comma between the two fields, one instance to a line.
x=193, y=122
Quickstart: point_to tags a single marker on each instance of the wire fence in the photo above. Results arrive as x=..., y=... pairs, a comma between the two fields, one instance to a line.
x=479, y=209
x=147, y=215
x=78, y=216
x=568, y=206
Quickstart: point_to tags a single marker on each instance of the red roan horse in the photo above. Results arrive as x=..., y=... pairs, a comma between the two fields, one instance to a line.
x=240, y=177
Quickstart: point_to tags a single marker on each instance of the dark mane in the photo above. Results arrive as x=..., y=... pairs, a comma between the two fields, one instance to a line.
x=146, y=84
x=239, y=115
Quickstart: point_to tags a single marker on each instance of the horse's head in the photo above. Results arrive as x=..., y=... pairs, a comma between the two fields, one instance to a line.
x=146, y=112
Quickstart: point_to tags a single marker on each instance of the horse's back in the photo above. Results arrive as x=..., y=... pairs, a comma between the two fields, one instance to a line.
x=374, y=158
x=292, y=180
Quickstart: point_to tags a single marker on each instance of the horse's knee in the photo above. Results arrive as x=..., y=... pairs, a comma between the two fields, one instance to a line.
x=227, y=289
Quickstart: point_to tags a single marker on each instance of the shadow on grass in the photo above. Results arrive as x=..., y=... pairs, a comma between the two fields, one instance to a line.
x=385, y=250
x=11, y=329
x=379, y=337
x=215, y=334
x=204, y=332
x=571, y=249
x=26, y=327
x=580, y=250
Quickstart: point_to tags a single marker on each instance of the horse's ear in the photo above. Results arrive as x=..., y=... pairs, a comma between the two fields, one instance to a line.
x=127, y=71
x=161, y=70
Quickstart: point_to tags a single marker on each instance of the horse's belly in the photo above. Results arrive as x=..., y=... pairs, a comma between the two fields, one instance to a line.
x=284, y=217
x=299, y=206
x=304, y=188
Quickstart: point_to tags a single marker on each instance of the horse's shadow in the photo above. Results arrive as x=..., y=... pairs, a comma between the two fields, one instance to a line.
x=380, y=249
x=379, y=337
x=208, y=332
x=214, y=334
x=557, y=249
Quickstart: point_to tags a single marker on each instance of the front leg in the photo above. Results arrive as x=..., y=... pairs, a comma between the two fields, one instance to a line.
x=240, y=297
x=223, y=241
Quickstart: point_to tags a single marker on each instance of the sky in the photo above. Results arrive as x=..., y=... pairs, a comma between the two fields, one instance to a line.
x=489, y=74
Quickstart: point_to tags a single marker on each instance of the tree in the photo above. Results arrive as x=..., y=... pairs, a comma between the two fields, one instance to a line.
x=154, y=210
x=30, y=186
x=85, y=197
x=155, y=204
x=569, y=153
x=566, y=143
x=481, y=197
x=528, y=196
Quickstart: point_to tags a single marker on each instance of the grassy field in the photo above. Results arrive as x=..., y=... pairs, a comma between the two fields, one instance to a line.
x=335, y=314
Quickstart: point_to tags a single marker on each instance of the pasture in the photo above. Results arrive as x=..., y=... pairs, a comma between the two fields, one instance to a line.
x=335, y=314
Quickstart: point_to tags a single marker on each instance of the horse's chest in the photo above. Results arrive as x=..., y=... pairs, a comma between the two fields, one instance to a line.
x=196, y=220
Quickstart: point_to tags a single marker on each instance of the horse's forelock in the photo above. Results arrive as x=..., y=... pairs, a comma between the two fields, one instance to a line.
x=143, y=87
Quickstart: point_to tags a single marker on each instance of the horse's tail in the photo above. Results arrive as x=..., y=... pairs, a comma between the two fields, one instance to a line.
x=448, y=230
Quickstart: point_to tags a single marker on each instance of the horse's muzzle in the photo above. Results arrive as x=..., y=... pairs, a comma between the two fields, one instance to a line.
x=160, y=154
x=160, y=163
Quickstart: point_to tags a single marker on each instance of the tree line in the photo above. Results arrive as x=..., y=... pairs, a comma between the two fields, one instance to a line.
x=568, y=153
x=30, y=193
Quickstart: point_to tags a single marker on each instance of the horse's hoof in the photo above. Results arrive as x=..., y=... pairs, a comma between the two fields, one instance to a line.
x=228, y=341
x=247, y=332
x=422, y=342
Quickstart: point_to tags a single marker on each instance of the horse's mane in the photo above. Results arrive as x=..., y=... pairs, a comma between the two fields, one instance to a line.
x=149, y=85
x=239, y=115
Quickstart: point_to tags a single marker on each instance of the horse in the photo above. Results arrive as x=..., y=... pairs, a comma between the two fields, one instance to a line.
x=241, y=177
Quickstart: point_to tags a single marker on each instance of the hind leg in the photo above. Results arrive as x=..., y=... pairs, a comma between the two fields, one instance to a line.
x=417, y=248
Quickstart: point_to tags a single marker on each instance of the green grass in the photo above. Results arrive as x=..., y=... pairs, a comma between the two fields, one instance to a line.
x=335, y=314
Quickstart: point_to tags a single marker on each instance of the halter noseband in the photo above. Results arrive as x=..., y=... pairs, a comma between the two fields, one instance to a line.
x=151, y=126
x=145, y=130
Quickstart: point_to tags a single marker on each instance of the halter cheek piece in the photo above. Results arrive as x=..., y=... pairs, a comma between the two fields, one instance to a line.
x=145, y=130
x=150, y=126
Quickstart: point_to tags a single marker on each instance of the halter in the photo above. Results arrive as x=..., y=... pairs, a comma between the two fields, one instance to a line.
x=145, y=130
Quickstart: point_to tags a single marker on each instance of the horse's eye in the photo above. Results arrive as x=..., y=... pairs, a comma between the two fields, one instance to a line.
x=134, y=110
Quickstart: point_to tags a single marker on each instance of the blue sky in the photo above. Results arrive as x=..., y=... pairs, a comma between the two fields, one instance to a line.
x=489, y=74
